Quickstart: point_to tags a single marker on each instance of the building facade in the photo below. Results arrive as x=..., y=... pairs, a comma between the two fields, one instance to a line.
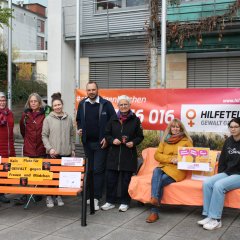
x=114, y=51
x=29, y=40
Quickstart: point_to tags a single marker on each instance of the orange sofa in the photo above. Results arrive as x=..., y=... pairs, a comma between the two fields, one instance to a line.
x=186, y=192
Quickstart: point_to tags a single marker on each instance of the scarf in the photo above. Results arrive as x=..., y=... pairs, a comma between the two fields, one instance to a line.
x=3, y=116
x=173, y=139
x=123, y=117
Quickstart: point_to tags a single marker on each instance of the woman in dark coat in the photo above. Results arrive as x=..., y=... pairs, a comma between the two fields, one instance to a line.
x=123, y=133
x=6, y=134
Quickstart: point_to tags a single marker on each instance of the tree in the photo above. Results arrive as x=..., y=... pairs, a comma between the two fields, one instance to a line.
x=3, y=70
x=5, y=14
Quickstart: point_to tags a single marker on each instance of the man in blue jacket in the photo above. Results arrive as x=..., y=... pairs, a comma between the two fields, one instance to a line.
x=92, y=116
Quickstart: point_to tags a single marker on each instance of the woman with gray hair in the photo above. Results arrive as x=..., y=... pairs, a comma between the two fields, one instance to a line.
x=123, y=133
x=31, y=124
x=6, y=134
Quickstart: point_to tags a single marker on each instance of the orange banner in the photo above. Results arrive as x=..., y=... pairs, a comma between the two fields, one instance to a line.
x=201, y=110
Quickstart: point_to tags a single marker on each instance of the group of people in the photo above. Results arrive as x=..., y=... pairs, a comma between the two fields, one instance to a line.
x=214, y=188
x=109, y=139
x=47, y=132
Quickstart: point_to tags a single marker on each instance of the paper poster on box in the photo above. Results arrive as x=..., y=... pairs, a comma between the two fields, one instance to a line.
x=193, y=158
x=70, y=179
x=202, y=175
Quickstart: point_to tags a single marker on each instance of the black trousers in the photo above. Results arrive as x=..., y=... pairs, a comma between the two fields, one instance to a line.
x=97, y=161
x=112, y=186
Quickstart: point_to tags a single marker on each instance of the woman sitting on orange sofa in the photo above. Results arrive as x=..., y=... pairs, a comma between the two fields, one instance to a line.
x=174, y=136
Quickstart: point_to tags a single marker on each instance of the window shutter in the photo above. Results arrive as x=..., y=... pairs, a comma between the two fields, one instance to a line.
x=120, y=74
x=213, y=72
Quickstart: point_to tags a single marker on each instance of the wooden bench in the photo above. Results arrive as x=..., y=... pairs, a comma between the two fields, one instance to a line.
x=187, y=192
x=49, y=187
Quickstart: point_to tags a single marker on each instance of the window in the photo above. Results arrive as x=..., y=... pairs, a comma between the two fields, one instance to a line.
x=131, y=3
x=213, y=72
x=40, y=26
x=107, y=4
x=115, y=4
x=40, y=43
x=120, y=74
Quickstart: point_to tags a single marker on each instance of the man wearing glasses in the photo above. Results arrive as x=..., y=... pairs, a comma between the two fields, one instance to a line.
x=92, y=116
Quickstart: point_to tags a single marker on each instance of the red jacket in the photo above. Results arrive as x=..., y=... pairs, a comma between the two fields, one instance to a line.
x=31, y=130
x=6, y=137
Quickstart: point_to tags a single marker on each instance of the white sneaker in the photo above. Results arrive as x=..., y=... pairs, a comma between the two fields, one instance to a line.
x=59, y=201
x=123, y=208
x=107, y=206
x=96, y=204
x=204, y=221
x=212, y=224
x=49, y=202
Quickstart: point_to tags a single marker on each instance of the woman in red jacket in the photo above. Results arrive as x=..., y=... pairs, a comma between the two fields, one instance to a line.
x=31, y=127
x=6, y=134
x=31, y=130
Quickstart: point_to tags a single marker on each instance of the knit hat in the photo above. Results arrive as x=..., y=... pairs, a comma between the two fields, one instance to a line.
x=2, y=94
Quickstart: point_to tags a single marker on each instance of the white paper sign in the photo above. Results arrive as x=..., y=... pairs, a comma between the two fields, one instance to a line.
x=70, y=180
x=194, y=166
x=72, y=161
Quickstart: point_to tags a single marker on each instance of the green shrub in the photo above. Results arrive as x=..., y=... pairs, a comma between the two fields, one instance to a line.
x=212, y=141
x=22, y=89
x=3, y=70
x=151, y=139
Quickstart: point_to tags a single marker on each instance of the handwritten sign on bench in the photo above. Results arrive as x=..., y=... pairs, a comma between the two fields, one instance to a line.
x=31, y=168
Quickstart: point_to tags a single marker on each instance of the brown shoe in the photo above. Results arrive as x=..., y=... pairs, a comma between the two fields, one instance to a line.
x=153, y=217
x=154, y=201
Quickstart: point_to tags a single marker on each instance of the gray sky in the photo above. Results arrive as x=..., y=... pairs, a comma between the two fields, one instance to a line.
x=42, y=2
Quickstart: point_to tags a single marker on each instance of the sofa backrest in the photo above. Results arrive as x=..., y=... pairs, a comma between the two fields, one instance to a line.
x=149, y=162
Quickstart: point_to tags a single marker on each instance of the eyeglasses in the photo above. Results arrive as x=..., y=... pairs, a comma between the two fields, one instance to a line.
x=3, y=100
x=123, y=105
x=234, y=127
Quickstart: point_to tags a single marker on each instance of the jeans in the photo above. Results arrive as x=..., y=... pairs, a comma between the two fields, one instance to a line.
x=214, y=190
x=97, y=162
x=112, y=186
x=159, y=181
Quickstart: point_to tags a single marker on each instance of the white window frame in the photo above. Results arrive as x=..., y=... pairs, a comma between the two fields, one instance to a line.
x=117, y=9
